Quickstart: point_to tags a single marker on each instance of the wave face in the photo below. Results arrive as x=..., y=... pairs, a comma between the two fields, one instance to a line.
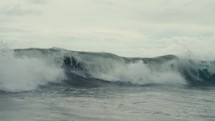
x=27, y=69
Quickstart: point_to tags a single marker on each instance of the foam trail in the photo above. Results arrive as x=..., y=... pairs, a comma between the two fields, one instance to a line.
x=24, y=74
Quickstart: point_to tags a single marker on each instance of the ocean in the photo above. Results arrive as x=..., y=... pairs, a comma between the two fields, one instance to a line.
x=61, y=85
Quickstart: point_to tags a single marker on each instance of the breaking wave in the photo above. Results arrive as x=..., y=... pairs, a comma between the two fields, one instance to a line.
x=26, y=73
x=27, y=69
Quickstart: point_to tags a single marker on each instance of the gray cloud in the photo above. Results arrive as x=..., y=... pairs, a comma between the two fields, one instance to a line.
x=124, y=27
x=37, y=1
x=18, y=10
x=4, y=30
x=108, y=3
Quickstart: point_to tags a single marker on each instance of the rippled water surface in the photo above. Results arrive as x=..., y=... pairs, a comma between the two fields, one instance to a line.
x=113, y=103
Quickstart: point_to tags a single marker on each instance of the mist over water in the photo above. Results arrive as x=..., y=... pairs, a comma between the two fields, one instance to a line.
x=24, y=73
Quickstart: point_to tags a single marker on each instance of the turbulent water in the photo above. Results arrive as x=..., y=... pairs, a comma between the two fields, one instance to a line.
x=61, y=85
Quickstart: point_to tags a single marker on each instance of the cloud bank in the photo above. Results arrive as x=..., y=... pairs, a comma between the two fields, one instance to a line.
x=124, y=27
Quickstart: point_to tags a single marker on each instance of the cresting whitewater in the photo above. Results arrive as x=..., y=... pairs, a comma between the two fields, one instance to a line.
x=102, y=82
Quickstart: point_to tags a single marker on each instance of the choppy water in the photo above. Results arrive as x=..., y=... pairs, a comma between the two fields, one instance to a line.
x=153, y=103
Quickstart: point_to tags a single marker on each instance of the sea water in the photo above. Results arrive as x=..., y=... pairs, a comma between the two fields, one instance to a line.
x=152, y=103
x=61, y=85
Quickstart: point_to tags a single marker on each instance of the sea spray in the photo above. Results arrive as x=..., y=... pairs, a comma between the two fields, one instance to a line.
x=24, y=73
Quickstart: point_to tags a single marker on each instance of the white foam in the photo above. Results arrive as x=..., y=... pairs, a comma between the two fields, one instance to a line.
x=134, y=72
x=24, y=74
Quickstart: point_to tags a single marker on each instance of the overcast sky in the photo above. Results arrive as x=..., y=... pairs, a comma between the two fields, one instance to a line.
x=123, y=27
